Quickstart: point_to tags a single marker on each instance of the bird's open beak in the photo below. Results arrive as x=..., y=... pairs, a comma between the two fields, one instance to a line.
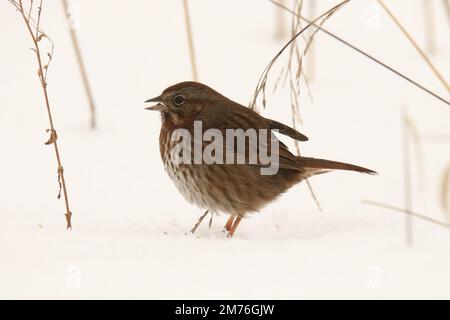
x=157, y=107
x=155, y=99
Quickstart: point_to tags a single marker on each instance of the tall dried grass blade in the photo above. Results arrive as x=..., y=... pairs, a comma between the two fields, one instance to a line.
x=445, y=192
x=261, y=85
x=407, y=212
x=187, y=20
x=82, y=67
x=379, y=62
x=416, y=46
x=31, y=24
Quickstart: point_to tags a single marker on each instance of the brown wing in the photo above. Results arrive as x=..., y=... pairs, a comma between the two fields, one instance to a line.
x=235, y=116
x=286, y=130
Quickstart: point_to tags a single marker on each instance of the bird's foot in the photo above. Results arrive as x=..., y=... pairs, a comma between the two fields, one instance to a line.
x=233, y=228
x=229, y=223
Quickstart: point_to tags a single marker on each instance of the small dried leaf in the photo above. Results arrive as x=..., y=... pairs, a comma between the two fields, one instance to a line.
x=60, y=173
x=53, y=137
x=40, y=37
x=68, y=220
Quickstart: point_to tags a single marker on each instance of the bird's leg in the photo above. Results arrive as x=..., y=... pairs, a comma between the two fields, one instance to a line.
x=199, y=221
x=229, y=223
x=234, y=226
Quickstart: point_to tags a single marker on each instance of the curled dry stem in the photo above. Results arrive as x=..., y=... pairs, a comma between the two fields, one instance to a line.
x=37, y=35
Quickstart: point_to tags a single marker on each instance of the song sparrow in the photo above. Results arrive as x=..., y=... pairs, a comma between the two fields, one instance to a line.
x=227, y=186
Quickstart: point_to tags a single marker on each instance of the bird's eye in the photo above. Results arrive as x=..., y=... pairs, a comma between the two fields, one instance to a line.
x=178, y=100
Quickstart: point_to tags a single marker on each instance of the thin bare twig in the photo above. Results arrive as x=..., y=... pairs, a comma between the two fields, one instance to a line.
x=416, y=46
x=407, y=212
x=200, y=221
x=261, y=85
x=37, y=35
x=294, y=80
x=348, y=44
x=81, y=66
x=280, y=29
x=190, y=40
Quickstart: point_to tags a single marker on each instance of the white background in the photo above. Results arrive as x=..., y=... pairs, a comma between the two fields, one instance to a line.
x=129, y=237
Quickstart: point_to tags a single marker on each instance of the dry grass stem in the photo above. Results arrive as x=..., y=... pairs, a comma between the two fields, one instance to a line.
x=81, y=66
x=310, y=70
x=190, y=40
x=295, y=55
x=416, y=139
x=294, y=74
x=37, y=35
x=280, y=29
x=445, y=192
x=429, y=26
x=436, y=137
x=416, y=46
x=446, y=4
x=262, y=82
x=379, y=62
x=199, y=221
x=407, y=179
x=407, y=212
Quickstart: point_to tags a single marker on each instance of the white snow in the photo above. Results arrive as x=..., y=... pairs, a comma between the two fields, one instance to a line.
x=130, y=224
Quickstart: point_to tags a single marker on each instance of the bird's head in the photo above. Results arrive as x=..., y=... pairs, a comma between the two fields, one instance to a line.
x=184, y=99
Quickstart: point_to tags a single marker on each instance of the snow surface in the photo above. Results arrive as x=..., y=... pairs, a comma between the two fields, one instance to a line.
x=130, y=224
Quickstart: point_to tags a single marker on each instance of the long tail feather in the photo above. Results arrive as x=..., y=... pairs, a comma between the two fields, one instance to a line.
x=322, y=164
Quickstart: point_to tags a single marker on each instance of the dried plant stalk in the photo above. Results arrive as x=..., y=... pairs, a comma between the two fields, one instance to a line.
x=262, y=82
x=413, y=133
x=355, y=48
x=429, y=26
x=81, y=66
x=295, y=74
x=294, y=79
x=436, y=137
x=410, y=135
x=37, y=35
x=407, y=179
x=280, y=30
x=199, y=221
x=407, y=212
x=416, y=46
x=190, y=40
x=311, y=57
x=445, y=192
x=446, y=4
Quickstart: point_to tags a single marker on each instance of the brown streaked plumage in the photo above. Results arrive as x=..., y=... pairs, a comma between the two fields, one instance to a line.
x=236, y=189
